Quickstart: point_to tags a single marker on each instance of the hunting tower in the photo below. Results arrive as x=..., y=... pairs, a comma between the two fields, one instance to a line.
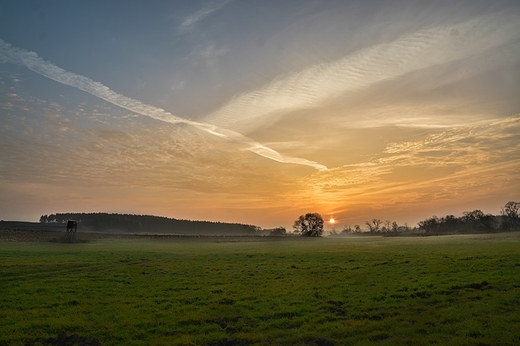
x=72, y=227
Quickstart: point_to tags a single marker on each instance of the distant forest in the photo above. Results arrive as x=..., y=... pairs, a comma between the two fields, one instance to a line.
x=127, y=223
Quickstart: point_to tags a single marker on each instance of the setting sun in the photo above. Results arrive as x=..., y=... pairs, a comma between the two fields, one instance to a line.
x=396, y=121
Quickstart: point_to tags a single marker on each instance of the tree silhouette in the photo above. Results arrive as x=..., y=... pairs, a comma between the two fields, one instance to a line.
x=510, y=212
x=374, y=225
x=280, y=231
x=309, y=225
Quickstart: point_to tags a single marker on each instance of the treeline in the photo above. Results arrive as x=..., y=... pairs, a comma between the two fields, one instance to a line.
x=474, y=222
x=470, y=222
x=128, y=223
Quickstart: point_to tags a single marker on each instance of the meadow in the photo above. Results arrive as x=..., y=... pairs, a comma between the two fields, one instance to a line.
x=450, y=290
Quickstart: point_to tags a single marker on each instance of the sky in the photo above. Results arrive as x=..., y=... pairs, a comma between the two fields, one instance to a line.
x=259, y=111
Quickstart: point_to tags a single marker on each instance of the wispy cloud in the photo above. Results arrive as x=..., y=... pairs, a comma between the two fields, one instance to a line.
x=326, y=82
x=452, y=160
x=32, y=61
x=205, y=12
x=208, y=55
x=472, y=145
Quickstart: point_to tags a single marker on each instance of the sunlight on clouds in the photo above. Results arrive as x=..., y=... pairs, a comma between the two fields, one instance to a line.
x=397, y=121
x=456, y=163
x=138, y=156
x=32, y=61
x=323, y=83
x=463, y=145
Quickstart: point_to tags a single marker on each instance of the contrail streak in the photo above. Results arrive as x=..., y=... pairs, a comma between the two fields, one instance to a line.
x=32, y=61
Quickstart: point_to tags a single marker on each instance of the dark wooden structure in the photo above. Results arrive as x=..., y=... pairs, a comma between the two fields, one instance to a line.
x=72, y=228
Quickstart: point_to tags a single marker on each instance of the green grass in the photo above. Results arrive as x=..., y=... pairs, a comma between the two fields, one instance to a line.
x=456, y=290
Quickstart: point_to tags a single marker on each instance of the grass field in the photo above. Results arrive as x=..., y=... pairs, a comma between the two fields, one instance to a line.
x=452, y=290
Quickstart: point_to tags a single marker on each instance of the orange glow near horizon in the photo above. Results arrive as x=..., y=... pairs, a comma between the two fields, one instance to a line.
x=420, y=119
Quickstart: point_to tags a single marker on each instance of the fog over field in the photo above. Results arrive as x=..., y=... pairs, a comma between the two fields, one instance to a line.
x=262, y=291
x=257, y=112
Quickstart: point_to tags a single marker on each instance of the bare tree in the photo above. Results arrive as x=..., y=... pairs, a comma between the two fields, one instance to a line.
x=510, y=212
x=374, y=225
x=387, y=225
x=511, y=209
x=347, y=230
